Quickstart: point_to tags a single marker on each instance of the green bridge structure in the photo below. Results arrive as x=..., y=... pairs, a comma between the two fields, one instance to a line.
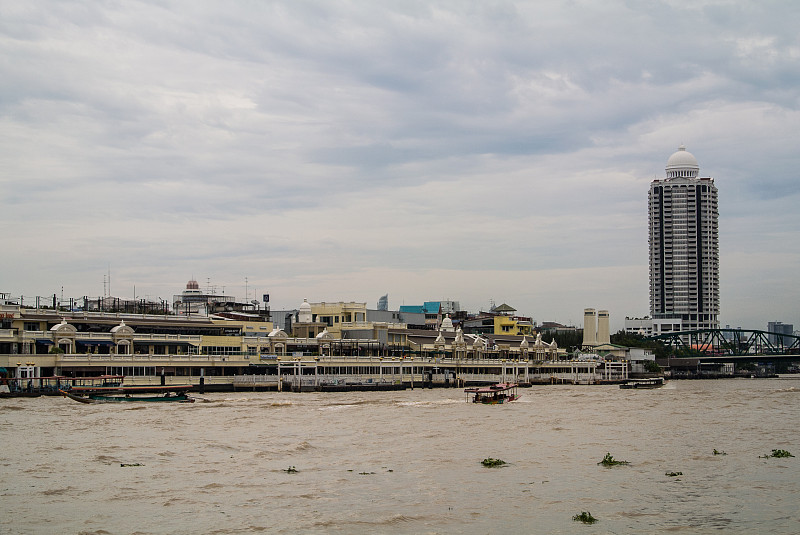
x=726, y=343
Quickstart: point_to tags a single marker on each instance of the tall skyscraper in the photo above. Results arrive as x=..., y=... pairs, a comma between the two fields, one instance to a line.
x=383, y=302
x=684, y=248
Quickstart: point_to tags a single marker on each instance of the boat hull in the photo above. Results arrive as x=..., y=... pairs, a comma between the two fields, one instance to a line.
x=129, y=390
x=177, y=398
x=100, y=398
x=644, y=384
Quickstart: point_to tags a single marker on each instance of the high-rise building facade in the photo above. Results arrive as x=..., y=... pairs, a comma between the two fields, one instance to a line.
x=684, y=248
x=776, y=329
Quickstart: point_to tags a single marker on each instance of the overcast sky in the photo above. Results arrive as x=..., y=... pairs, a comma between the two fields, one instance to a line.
x=330, y=150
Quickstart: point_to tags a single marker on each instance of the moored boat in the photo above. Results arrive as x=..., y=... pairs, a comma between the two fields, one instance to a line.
x=166, y=397
x=494, y=394
x=114, y=384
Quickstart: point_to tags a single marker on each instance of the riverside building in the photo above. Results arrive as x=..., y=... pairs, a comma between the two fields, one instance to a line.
x=684, y=249
x=42, y=349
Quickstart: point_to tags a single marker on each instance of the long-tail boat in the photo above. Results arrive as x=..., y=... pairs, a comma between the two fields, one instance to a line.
x=166, y=397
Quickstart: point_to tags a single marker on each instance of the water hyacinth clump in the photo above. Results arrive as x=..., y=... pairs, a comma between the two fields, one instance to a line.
x=716, y=452
x=608, y=460
x=585, y=517
x=778, y=454
x=491, y=463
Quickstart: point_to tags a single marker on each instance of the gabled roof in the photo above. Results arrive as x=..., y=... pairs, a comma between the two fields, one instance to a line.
x=504, y=308
x=610, y=346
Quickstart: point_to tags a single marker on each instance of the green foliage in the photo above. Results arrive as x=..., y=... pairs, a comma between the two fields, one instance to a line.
x=651, y=366
x=585, y=517
x=291, y=470
x=673, y=474
x=716, y=452
x=658, y=348
x=566, y=339
x=491, y=463
x=56, y=350
x=778, y=454
x=608, y=460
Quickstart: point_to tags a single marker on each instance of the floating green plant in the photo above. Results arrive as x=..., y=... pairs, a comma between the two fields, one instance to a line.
x=717, y=452
x=291, y=470
x=130, y=464
x=673, y=474
x=585, y=517
x=777, y=453
x=608, y=460
x=491, y=463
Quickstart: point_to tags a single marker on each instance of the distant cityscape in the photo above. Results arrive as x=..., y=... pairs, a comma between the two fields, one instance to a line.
x=683, y=260
x=201, y=333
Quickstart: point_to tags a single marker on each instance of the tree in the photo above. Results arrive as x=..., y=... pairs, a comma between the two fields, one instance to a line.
x=565, y=339
x=622, y=338
x=650, y=366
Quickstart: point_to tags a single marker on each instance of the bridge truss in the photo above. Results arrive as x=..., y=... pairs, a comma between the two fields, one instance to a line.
x=736, y=342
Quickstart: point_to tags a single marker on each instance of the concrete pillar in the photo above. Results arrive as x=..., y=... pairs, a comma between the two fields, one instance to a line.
x=603, y=335
x=589, y=327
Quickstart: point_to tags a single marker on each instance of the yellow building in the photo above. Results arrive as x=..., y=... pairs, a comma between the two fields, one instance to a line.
x=337, y=316
x=512, y=325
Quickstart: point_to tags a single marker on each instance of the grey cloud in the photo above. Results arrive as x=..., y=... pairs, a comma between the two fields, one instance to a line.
x=415, y=136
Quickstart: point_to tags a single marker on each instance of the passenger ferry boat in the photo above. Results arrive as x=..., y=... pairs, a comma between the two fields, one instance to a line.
x=493, y=395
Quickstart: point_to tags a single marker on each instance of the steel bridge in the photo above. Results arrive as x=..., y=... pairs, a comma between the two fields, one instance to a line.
x=730, y=342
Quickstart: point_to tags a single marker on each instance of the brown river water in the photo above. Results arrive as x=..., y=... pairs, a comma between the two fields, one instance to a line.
x=408, y=462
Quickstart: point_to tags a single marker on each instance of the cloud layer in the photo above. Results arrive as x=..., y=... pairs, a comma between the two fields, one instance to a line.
x=342, y=150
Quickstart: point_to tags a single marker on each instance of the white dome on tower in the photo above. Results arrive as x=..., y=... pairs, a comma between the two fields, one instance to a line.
x=682, y=164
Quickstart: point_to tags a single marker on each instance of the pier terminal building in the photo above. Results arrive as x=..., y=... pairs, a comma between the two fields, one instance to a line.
x=326, y=344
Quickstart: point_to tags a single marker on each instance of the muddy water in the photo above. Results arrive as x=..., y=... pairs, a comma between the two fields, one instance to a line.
x=407, y=462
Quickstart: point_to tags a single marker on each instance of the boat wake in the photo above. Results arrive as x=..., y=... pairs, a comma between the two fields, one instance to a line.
x=428, y=403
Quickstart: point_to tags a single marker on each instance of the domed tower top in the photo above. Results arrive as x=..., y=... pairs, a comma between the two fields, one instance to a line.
x=682, y=164
x=447, y=324
x=192, y=285
x=304, y=314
